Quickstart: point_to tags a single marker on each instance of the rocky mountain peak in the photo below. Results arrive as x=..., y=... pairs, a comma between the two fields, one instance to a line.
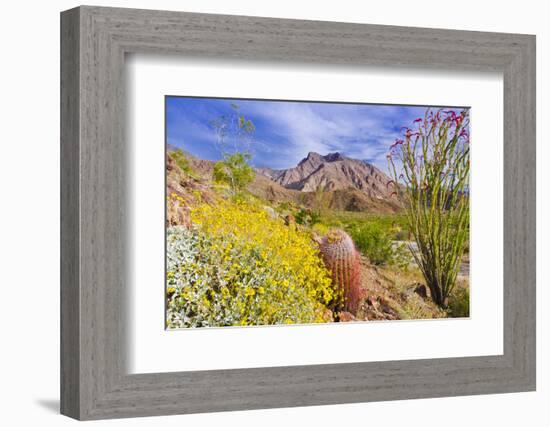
x=332, y=172
x=312, y=158
x=316, y=158
x=334, y=157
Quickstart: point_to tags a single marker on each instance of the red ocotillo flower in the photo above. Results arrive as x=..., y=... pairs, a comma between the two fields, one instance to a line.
x=396, y=143
x=451, y=116
x=464, y=134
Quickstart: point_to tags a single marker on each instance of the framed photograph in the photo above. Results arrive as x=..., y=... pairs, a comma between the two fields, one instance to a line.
x=262, y=213
x=293, y=212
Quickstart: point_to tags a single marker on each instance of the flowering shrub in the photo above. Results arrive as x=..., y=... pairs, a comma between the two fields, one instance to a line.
x=177, y=211
x=236, y=266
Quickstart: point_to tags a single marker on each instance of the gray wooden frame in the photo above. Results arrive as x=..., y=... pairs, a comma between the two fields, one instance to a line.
x=94, y=41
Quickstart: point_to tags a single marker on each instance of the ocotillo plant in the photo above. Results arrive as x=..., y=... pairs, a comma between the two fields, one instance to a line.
x=430, y=167
x=342, y=259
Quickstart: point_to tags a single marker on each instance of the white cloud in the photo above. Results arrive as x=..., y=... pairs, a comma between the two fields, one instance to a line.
x=359, y=131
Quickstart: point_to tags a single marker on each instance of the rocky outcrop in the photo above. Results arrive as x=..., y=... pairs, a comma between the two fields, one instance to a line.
x=186, y=189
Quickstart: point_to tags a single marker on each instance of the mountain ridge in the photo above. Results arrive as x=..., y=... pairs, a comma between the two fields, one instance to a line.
x=331, y=172
x=347, y=184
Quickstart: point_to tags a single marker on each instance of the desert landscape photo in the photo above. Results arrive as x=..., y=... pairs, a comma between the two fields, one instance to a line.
x=293, y=212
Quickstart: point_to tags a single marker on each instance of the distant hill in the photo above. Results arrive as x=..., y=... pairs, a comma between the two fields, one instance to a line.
x=351, y=184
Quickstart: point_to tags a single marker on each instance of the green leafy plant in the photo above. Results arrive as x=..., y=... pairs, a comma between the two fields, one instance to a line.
x=321, y=201
x=234, y=134
x=430, y=167
x=307, y=217
x=181, y=160
x=235, y=171
x=459, y=302
x=373, y=241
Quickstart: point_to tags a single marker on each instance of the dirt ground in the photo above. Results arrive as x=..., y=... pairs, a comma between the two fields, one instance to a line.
x=396, y=294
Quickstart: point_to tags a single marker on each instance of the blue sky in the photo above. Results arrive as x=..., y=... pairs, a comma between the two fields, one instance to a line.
x=286, y=131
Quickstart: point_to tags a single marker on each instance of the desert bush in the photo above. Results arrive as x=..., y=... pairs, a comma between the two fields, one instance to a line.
x=459, y=302
x=236, y=266
x=234, y=171
x=307, y=217
x=181, y=160
x=416, y=308
x=395, y=224
x=234, y=135
x=401, y=235
x=401, y=256
x=284, y=207
x=430, y=167
x=373, y=241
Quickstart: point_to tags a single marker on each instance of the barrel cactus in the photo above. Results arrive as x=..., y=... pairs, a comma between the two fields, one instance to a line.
x=342, y=259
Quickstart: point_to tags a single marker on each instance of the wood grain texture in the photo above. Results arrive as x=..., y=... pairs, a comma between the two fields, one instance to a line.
x=70, y=292
x=95, y=239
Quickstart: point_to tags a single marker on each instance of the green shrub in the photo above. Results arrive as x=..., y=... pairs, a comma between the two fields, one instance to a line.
x=234, y=171
x=374, y=242
x=285, y=207
x=459, y=302
x=307, y=217
x=181, y=160
x=402, y=256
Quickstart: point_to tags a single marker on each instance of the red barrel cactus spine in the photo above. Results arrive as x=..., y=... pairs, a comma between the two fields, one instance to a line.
x=343, y=260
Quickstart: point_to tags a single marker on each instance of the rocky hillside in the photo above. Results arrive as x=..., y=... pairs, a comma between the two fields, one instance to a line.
x=347, y=184
x=187, y=185
x=351, y=184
